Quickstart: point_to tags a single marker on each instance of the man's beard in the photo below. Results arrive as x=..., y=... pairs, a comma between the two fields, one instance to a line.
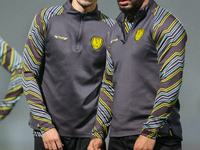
x=133, y=10
x=127, y=11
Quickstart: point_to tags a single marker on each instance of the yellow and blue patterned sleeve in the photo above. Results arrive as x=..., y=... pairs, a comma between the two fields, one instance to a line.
x=12, y=62
x=33, y=56
x=170, y=38
x=104, y=114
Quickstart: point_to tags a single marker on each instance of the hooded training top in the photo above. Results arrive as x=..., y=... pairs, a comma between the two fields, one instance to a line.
x=64, y=60
x=143, y=76
x=12, y=62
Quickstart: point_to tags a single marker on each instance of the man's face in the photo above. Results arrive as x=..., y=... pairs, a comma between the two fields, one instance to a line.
x=130, y=6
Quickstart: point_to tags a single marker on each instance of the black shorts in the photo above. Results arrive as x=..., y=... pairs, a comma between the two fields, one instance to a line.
x=162, y=143
x=69, y=143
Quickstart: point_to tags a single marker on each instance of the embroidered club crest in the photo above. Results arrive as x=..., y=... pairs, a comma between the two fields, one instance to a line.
x=139, y=34
x=97, y=42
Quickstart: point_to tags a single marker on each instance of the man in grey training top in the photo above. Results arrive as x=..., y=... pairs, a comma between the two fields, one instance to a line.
x=64, y=60
x=142, y=79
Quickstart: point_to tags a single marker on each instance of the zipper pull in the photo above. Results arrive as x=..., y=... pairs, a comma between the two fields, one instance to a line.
x=123, y=41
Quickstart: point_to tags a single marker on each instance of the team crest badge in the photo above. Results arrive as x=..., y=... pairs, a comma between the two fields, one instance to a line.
x=139, y=34
x=97, y=42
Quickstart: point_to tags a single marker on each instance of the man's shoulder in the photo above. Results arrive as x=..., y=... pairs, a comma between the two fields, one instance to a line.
x=110, y=22
x=46, y=13
x=164, y=16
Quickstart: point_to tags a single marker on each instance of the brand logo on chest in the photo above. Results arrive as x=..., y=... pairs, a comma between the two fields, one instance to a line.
x=96, y=42
x=115, y=40
x=60, y=37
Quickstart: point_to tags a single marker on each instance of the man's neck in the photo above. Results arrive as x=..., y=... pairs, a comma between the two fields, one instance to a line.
x=145, y=3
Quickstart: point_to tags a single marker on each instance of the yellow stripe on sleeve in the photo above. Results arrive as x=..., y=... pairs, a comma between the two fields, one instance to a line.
x=172, y=44
x=160, y=24
x=4, y=52
x=171, y=57
x=11, y=59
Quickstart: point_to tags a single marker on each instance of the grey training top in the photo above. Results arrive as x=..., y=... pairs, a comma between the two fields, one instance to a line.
x=64, y=60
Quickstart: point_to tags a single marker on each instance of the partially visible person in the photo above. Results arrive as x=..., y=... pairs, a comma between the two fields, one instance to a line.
x=12, y=62
x=142, y=79
x=64, y=61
